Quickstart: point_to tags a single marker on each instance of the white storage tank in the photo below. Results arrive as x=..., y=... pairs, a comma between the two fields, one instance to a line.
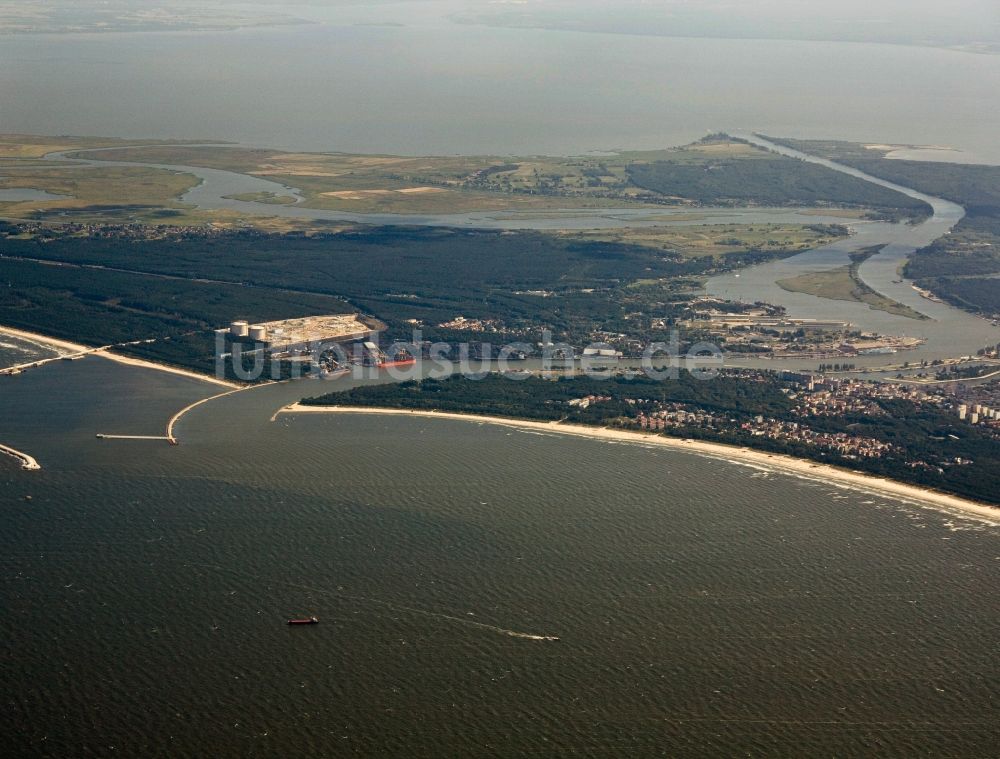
x=239, y=329
x=258, y=332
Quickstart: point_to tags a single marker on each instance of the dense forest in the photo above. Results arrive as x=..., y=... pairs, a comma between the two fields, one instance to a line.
x=537, y=398
x=776, y=181
x=120, y=289
x=924, y=433
x=100, y=307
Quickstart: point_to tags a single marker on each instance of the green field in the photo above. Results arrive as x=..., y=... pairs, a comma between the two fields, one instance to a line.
x=715, y=171
x=111, y=193
x=720, y=239
x=845, y=283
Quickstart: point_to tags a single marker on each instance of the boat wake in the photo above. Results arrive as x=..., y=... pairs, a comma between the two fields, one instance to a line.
x=529, y=636
x=386, y=605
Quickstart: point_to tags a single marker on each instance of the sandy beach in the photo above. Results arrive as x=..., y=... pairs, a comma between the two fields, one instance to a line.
x=166, y=368
x=62, y=346
x=66, y=348
x=786, y=464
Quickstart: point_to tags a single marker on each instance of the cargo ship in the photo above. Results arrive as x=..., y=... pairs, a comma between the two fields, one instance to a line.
x=402, y=358
x=304, y=621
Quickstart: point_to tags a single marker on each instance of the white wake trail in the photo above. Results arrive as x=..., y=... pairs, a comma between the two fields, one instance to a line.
x=387, y=605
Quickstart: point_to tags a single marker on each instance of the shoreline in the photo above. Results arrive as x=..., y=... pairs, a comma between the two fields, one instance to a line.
x=65, y=349
x=787, y=464
x=146, y=364
x=46, y=341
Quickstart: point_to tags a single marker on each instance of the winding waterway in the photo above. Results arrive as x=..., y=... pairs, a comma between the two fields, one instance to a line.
x=948, y=331
x=216, y=187
x=703, y=607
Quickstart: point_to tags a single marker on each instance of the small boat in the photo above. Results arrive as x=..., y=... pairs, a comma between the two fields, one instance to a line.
x=329, y=374
x=304, y=621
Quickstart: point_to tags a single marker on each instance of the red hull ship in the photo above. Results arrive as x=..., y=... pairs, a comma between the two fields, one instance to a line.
x=408, y=361
x=304, y=621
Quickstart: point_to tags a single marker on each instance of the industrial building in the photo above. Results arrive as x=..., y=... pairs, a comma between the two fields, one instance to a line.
x=305, y=333
x=721, y=320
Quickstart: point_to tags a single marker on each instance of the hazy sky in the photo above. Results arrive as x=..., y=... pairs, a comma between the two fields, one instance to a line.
x=919, y=21
x=405, y=77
